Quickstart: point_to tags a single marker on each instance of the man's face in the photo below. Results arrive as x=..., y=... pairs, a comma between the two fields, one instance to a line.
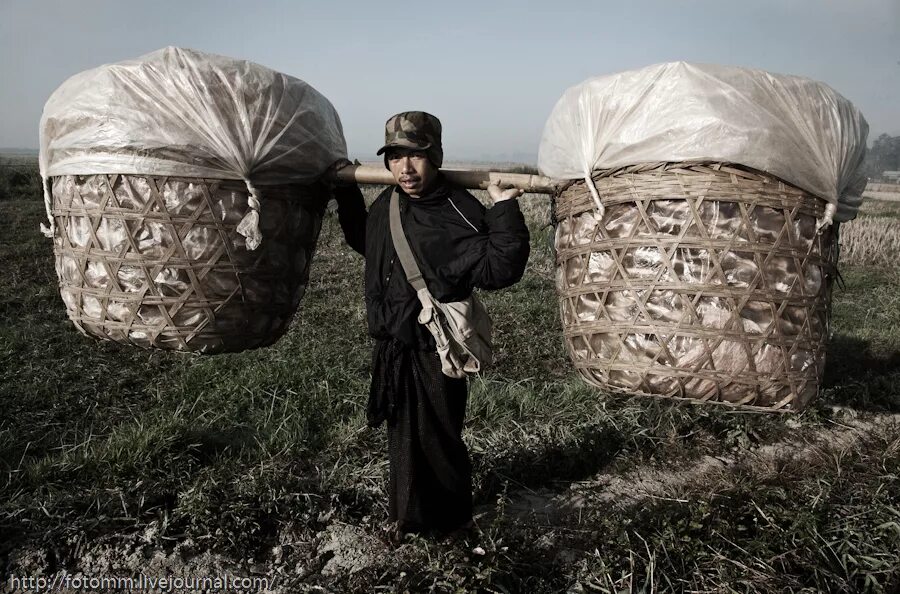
x=411, y=169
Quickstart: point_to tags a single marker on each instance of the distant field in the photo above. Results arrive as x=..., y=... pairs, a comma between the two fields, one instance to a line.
x=19, y=177
x=113, y=459
x=889, y=192
x=890, y=188
x=14, y=152
x=889, y=196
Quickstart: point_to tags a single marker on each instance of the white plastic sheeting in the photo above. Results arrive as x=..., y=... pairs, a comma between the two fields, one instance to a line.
x=182, y=112
x=797, y=129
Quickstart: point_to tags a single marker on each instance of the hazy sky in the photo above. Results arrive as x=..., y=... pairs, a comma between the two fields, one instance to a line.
x=491, y=70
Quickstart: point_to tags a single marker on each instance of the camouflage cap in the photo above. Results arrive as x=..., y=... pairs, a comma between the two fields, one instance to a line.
x=415, y=130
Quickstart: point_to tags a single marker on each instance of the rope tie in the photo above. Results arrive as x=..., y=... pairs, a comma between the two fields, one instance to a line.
x=249, y=225
x=48, y=231
x=828, y=218
x=589, y=182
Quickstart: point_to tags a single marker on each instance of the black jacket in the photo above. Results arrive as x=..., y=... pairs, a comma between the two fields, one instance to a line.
x=458, y=243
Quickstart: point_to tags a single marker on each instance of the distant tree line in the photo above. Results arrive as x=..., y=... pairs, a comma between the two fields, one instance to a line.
x=883, y=156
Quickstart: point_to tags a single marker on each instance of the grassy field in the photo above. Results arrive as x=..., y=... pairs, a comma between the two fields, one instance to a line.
x=115, y=460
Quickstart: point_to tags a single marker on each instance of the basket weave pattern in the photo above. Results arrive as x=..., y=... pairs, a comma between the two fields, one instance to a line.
x=158, y=262
x=700, y=281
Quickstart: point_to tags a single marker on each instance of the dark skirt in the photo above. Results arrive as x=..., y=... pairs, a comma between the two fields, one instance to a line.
x=430, y=486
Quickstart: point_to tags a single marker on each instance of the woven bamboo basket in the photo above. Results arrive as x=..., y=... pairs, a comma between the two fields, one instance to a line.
x=158, y=262
x=703, y=281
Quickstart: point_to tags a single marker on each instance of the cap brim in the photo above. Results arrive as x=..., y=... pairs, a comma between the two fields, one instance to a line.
x=406, y=144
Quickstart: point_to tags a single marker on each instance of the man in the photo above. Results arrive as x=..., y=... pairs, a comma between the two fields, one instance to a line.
x=459, y=245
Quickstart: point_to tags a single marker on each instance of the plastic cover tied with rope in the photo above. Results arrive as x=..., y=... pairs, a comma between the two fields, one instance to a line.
x=185, y=199
x=181, y=112
x=794, y=128
x=695, y=250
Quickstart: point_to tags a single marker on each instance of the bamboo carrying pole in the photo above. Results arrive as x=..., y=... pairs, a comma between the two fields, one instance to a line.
x=472, y=179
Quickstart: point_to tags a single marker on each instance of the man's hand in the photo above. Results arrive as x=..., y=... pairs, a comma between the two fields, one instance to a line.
x=498, y=195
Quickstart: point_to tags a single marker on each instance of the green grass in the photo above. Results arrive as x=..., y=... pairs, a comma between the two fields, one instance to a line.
x=242, y=452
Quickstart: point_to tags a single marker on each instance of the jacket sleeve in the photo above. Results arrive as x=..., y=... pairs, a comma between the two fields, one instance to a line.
x=352, y=216
x=502, y=252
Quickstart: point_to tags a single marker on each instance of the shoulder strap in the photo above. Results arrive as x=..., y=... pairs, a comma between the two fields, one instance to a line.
x=401, y=246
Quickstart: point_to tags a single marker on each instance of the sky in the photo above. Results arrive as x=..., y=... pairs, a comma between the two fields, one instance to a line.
x=490, y=70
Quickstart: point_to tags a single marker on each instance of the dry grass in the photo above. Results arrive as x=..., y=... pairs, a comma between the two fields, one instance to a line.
x=871, y=241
